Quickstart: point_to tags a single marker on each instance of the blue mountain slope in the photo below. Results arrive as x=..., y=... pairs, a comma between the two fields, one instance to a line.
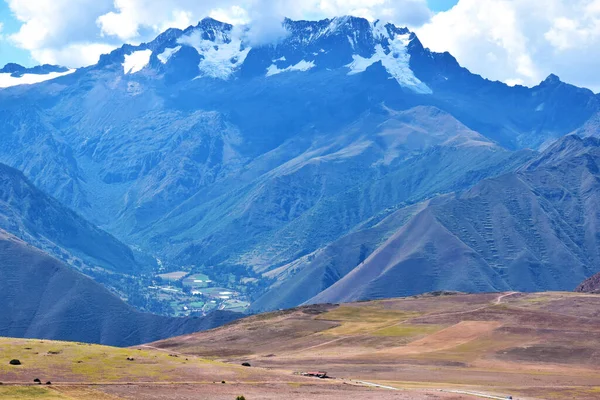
x=531, y=230
x=40, y=220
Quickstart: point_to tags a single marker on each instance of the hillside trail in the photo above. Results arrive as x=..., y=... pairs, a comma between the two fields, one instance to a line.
x=145, y=346
x=465, y=392
x=500, y=298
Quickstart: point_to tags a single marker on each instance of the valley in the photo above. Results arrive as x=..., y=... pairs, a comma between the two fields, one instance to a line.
x=434, y=346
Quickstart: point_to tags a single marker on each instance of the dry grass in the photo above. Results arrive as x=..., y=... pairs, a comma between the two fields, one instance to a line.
x=408, y=331
x=360, y=320
x=29, y=392
x=79, y=362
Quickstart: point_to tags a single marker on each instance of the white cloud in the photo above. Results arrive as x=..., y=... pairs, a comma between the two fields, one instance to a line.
x=72, y=54
x=521, y=41
x=61, y=31
x=234, y=15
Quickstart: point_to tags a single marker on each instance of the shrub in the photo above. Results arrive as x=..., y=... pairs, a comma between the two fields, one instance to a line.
x=15, y=362
x=240, y=398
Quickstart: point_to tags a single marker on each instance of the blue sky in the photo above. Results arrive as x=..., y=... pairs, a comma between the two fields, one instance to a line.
x=10, y=25
x=441, y=5
x=9, y=53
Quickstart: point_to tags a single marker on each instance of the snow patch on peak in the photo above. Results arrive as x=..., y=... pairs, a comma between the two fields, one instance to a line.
x=136, y=61
x=166, y=55
x=301, y=66
x=221, y=56
x=8, y=80
x=360, y=64
x=336, y=23
x=395, y=59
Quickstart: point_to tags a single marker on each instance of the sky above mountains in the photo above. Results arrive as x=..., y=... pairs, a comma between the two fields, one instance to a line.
x=515, y=41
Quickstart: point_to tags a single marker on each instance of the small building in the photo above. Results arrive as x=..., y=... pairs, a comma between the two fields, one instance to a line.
x=316, y=374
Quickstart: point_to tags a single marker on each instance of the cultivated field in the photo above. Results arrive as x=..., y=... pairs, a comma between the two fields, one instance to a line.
x=530, y=346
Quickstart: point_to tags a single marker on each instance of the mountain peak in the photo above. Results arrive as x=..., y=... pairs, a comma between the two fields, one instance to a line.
x=12, y=68
x=552, y=79
x=213, y=23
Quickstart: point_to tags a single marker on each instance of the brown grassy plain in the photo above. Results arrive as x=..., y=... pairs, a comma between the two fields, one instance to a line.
x=531, y=346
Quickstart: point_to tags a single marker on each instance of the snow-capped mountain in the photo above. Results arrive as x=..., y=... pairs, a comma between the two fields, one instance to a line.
x=222, y=51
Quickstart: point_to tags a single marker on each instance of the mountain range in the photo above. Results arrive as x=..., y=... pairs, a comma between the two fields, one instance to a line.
x=343, y=161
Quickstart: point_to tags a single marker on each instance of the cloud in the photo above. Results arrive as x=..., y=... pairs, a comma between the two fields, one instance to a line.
x=132, y=20
x=77, y=32
x=73, y=54
x=266, y=22
x=48, y=23
x=521, y=41
x=61, y=30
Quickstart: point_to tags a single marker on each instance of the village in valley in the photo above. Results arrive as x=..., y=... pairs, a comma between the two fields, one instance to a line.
x=195, y=294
